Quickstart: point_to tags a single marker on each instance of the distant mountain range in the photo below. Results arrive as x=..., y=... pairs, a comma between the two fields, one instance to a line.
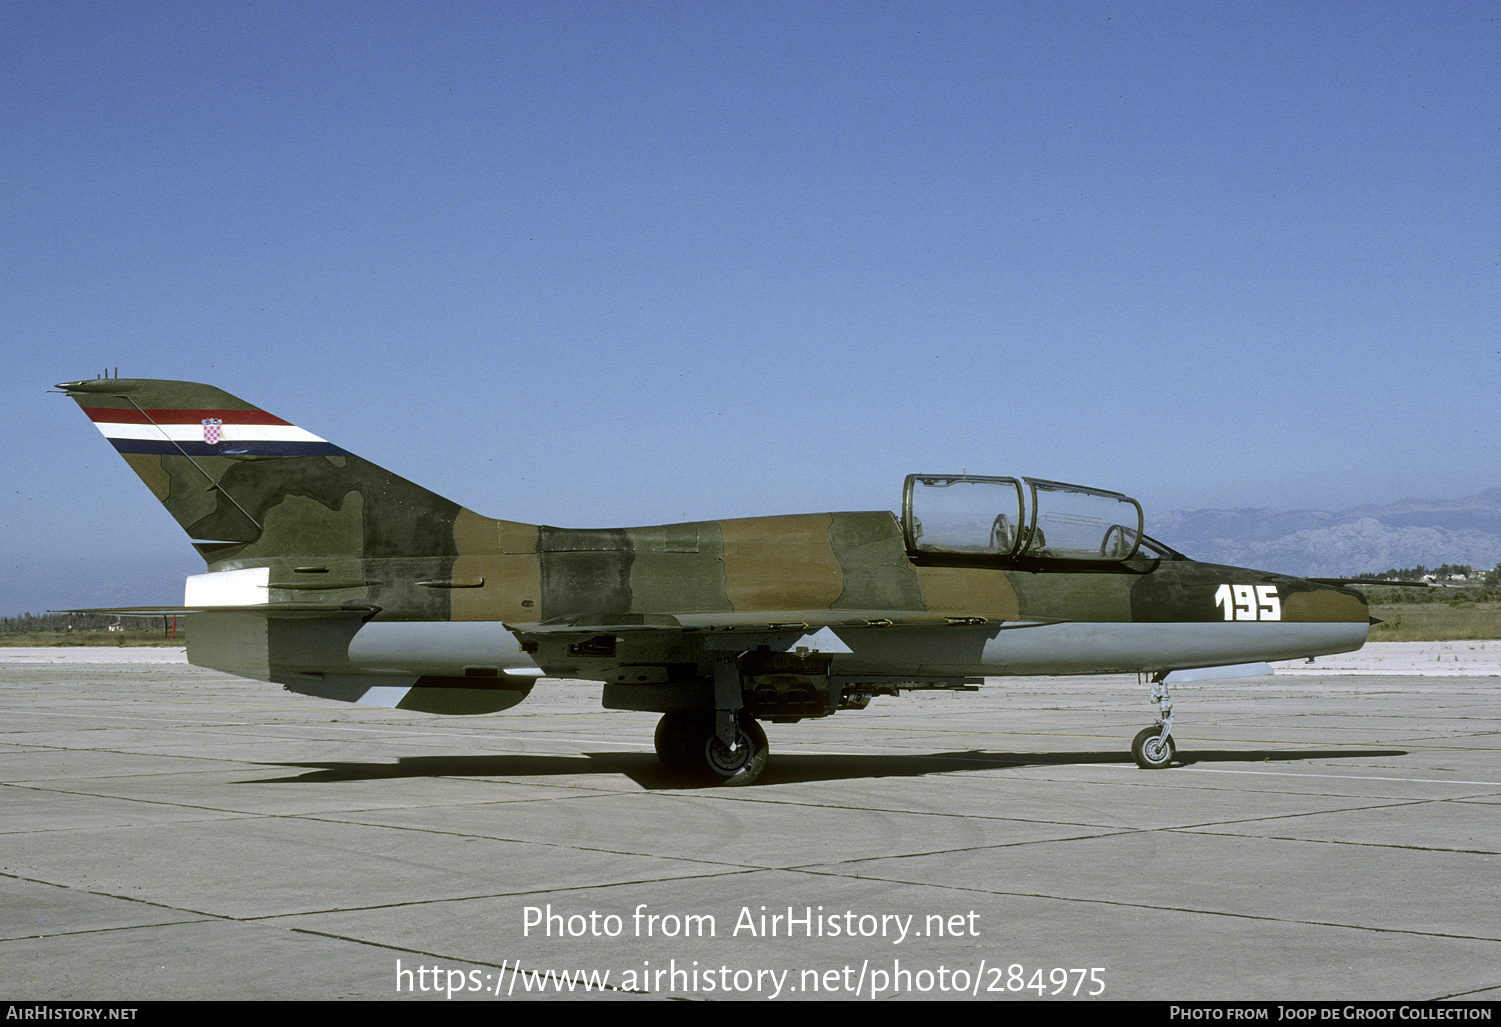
x=1359, y=540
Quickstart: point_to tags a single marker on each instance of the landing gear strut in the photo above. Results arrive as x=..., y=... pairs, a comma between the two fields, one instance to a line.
x=689, y=744
x=1153, y=747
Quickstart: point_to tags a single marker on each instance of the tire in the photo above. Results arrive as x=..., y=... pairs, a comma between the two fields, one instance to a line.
x=688, y=746
x=745, y=764
x=1151, y=751
x=679, y=739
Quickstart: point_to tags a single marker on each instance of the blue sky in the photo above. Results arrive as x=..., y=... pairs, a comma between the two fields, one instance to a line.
x=601, y=263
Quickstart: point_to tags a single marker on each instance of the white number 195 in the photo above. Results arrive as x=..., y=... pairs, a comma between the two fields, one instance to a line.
x=1249, y=602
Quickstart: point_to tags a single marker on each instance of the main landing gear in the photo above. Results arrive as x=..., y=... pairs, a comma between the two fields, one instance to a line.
x=1153, y=747
x=688, y=744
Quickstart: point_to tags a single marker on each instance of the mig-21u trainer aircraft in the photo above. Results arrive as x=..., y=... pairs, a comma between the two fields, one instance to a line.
x=336, y=578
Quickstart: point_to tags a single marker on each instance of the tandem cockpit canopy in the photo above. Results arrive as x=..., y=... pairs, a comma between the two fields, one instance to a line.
x=972, y=516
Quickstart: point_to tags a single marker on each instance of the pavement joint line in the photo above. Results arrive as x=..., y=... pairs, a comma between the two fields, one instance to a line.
x=729, y=871
x=1184, y=909
x=1345, y=777
x=265, y=918
x=507, y=965
x=710, y=794
x=1343, y=841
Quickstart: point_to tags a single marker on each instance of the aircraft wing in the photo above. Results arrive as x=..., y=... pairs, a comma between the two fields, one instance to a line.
x=733, y=631
x=262, y=609
x=754, y=621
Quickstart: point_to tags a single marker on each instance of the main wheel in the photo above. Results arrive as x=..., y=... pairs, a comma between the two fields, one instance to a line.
x=688, y=745
x=745, y=763
x=1151, y=751
x=679, y=740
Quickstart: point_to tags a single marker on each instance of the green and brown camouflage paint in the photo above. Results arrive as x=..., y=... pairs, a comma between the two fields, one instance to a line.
x=338, y=533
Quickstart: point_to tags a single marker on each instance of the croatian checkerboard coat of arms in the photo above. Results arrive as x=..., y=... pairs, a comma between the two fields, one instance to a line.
x=212, y=427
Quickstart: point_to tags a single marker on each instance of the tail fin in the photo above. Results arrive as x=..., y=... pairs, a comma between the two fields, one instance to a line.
x=248, y=486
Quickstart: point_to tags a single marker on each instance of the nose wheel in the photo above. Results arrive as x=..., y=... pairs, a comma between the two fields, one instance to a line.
x=1153, y=747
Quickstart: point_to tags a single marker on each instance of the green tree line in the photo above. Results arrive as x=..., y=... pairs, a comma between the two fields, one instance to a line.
x=64, y=622
x=1477, y=586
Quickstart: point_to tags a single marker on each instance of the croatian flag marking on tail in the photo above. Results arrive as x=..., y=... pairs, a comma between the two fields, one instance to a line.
x=206, y=433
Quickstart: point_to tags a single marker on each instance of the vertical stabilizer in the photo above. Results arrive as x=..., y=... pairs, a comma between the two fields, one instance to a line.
x=250, y=488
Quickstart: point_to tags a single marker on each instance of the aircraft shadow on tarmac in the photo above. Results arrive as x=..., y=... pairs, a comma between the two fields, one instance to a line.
x=644, y=769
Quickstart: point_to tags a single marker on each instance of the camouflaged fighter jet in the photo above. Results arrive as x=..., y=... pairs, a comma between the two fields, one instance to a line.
x=336, y=578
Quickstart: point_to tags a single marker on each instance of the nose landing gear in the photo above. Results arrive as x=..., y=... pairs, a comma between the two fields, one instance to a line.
x=1153, y=747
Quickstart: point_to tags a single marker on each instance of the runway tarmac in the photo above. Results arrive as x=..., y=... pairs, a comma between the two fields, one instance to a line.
x=1334, y=832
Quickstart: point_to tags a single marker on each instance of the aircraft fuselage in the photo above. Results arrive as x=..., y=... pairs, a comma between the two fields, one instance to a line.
x=337, y=578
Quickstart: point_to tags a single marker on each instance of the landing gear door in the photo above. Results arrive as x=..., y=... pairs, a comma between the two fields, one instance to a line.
x=963, y=514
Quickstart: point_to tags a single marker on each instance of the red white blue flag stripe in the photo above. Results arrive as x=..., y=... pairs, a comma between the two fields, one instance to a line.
x=206, y=433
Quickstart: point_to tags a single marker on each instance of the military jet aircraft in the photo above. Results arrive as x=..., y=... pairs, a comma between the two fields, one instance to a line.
x=335, y=578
